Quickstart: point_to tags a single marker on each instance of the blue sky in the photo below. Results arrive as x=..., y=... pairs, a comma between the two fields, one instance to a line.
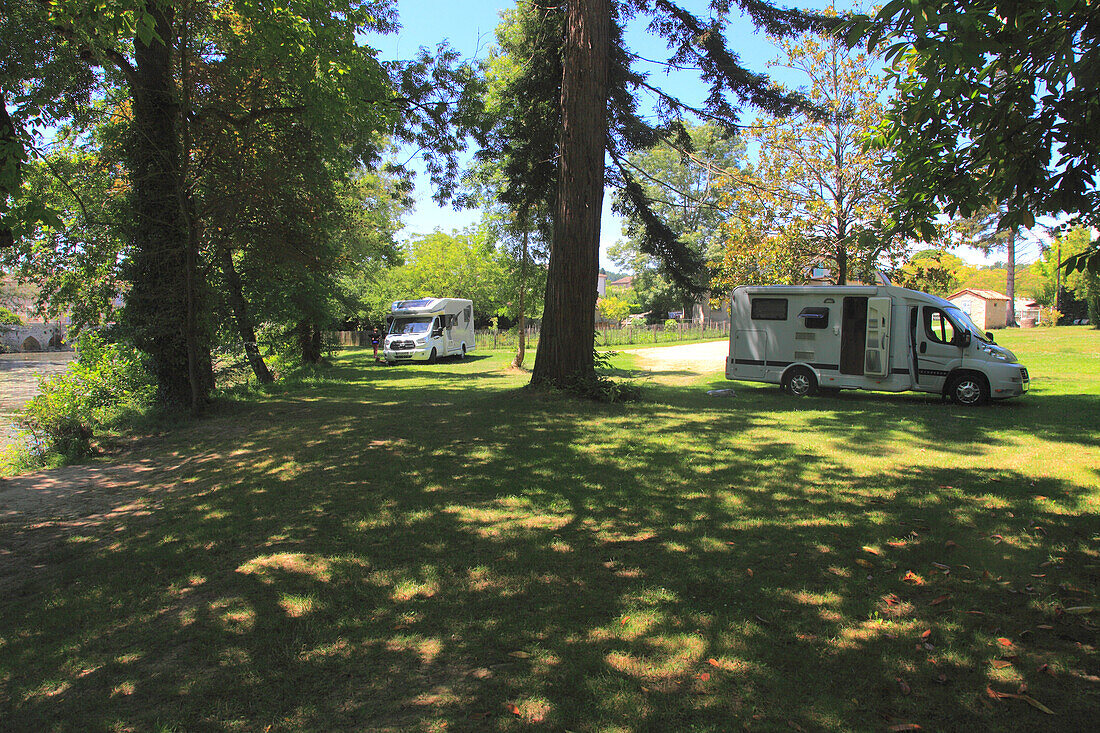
x=468, y=26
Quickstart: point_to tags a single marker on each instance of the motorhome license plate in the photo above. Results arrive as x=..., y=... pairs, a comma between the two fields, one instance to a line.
x=404, y=356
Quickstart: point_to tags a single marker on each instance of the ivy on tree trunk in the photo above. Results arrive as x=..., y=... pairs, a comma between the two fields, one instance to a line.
x=161, y=308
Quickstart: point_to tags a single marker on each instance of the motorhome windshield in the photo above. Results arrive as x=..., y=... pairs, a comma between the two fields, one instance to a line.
x=410, y=325
x=964, y=322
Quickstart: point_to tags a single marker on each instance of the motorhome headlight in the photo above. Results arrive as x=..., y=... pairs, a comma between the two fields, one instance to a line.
x=421, y=341
x=995, y=353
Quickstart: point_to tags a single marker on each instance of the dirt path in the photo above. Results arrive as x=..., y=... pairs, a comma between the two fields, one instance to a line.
x=702, y=358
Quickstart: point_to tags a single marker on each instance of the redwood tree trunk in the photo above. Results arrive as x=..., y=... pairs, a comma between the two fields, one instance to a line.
x=565, y=355
x=161, y=309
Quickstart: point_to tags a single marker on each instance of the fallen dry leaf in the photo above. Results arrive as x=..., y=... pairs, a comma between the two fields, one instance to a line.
x=926, y=633
x=911, y=577
x=904, y=727
x=863, y=563
x=519, y=655
x=940, y=599
x=712, y=662
x=872, y=550
x=512, y=708
x=896, y=543
x=951, y=543
x=1004, y=642
x=749, y=571
x=1001, y=663
x=1080, y=610
x=704, y=676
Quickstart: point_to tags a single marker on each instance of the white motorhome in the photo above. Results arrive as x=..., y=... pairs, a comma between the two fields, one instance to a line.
x=882, y=337
x=427, y=329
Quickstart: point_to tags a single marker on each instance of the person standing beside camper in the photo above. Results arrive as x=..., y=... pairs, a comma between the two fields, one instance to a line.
x=375, y=338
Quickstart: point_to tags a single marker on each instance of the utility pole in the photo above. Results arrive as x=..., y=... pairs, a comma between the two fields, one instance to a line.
x=1058, y=277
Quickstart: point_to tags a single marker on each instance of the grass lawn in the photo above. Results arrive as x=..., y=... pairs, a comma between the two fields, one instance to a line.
x=430, y=548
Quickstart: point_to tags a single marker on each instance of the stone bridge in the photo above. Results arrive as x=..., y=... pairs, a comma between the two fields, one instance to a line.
x=34, y=337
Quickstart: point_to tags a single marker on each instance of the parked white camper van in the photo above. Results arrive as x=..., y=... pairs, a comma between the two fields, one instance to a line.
x=866, y=337
x=428, y=329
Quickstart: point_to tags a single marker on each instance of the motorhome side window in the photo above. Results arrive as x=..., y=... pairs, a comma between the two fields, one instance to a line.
x=937, y=326
x=815, y=317
x=769, y=309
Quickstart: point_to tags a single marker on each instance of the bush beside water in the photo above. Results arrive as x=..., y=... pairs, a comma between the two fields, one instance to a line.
x=106, y=383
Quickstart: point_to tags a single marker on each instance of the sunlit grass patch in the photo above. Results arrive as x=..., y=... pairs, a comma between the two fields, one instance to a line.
x=264, y=567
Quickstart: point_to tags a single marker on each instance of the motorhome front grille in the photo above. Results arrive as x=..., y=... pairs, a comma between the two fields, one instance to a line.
x=402, y=345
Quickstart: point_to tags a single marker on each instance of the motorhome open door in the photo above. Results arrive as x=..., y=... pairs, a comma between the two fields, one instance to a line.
x=877, y=356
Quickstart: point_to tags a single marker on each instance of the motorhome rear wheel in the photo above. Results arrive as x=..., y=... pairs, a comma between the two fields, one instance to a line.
x=800, y=382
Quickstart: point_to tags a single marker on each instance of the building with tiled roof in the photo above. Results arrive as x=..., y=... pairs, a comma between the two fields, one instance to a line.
x=987, y=308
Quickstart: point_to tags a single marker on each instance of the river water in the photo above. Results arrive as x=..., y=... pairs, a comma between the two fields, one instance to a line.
x=19, y=375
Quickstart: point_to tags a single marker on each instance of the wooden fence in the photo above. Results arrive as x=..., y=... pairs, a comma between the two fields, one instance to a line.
x=606, y=336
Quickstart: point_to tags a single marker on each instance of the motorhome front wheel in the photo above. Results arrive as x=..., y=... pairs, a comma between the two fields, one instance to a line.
x=969, y=389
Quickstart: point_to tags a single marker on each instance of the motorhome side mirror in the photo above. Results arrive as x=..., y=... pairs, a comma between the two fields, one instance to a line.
x=989, y=335
x=963, y=338
x=437, y=333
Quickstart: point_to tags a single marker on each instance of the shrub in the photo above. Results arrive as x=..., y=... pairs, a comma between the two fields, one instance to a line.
x=7, y=318
x=671, y=324
x=1049, y=316
x=106, y=382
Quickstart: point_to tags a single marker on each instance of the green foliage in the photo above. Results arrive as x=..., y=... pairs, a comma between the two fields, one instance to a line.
x=614, y=308
x=930, y=272
x=462, y=264
x=816, y=193
x=995, y=103
x=7, y=318
x=681, y=182
x=76, y=262
x=104, y=384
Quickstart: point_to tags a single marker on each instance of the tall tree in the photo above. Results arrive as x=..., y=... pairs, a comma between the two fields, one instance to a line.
x=203, y=70
x=996, y=102
x=565, y=351
x=982, y=231
x=608, y=84
x=814, y=173
x=514, y=176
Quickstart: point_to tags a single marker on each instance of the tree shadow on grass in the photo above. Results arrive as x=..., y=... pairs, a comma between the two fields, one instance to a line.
x=519, y=561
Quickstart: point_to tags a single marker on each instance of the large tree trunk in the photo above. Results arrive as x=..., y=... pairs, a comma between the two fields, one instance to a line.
x=12, y=156
x=241, y=315
x=309, y=341
x=565, y=355
x=161, y=308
